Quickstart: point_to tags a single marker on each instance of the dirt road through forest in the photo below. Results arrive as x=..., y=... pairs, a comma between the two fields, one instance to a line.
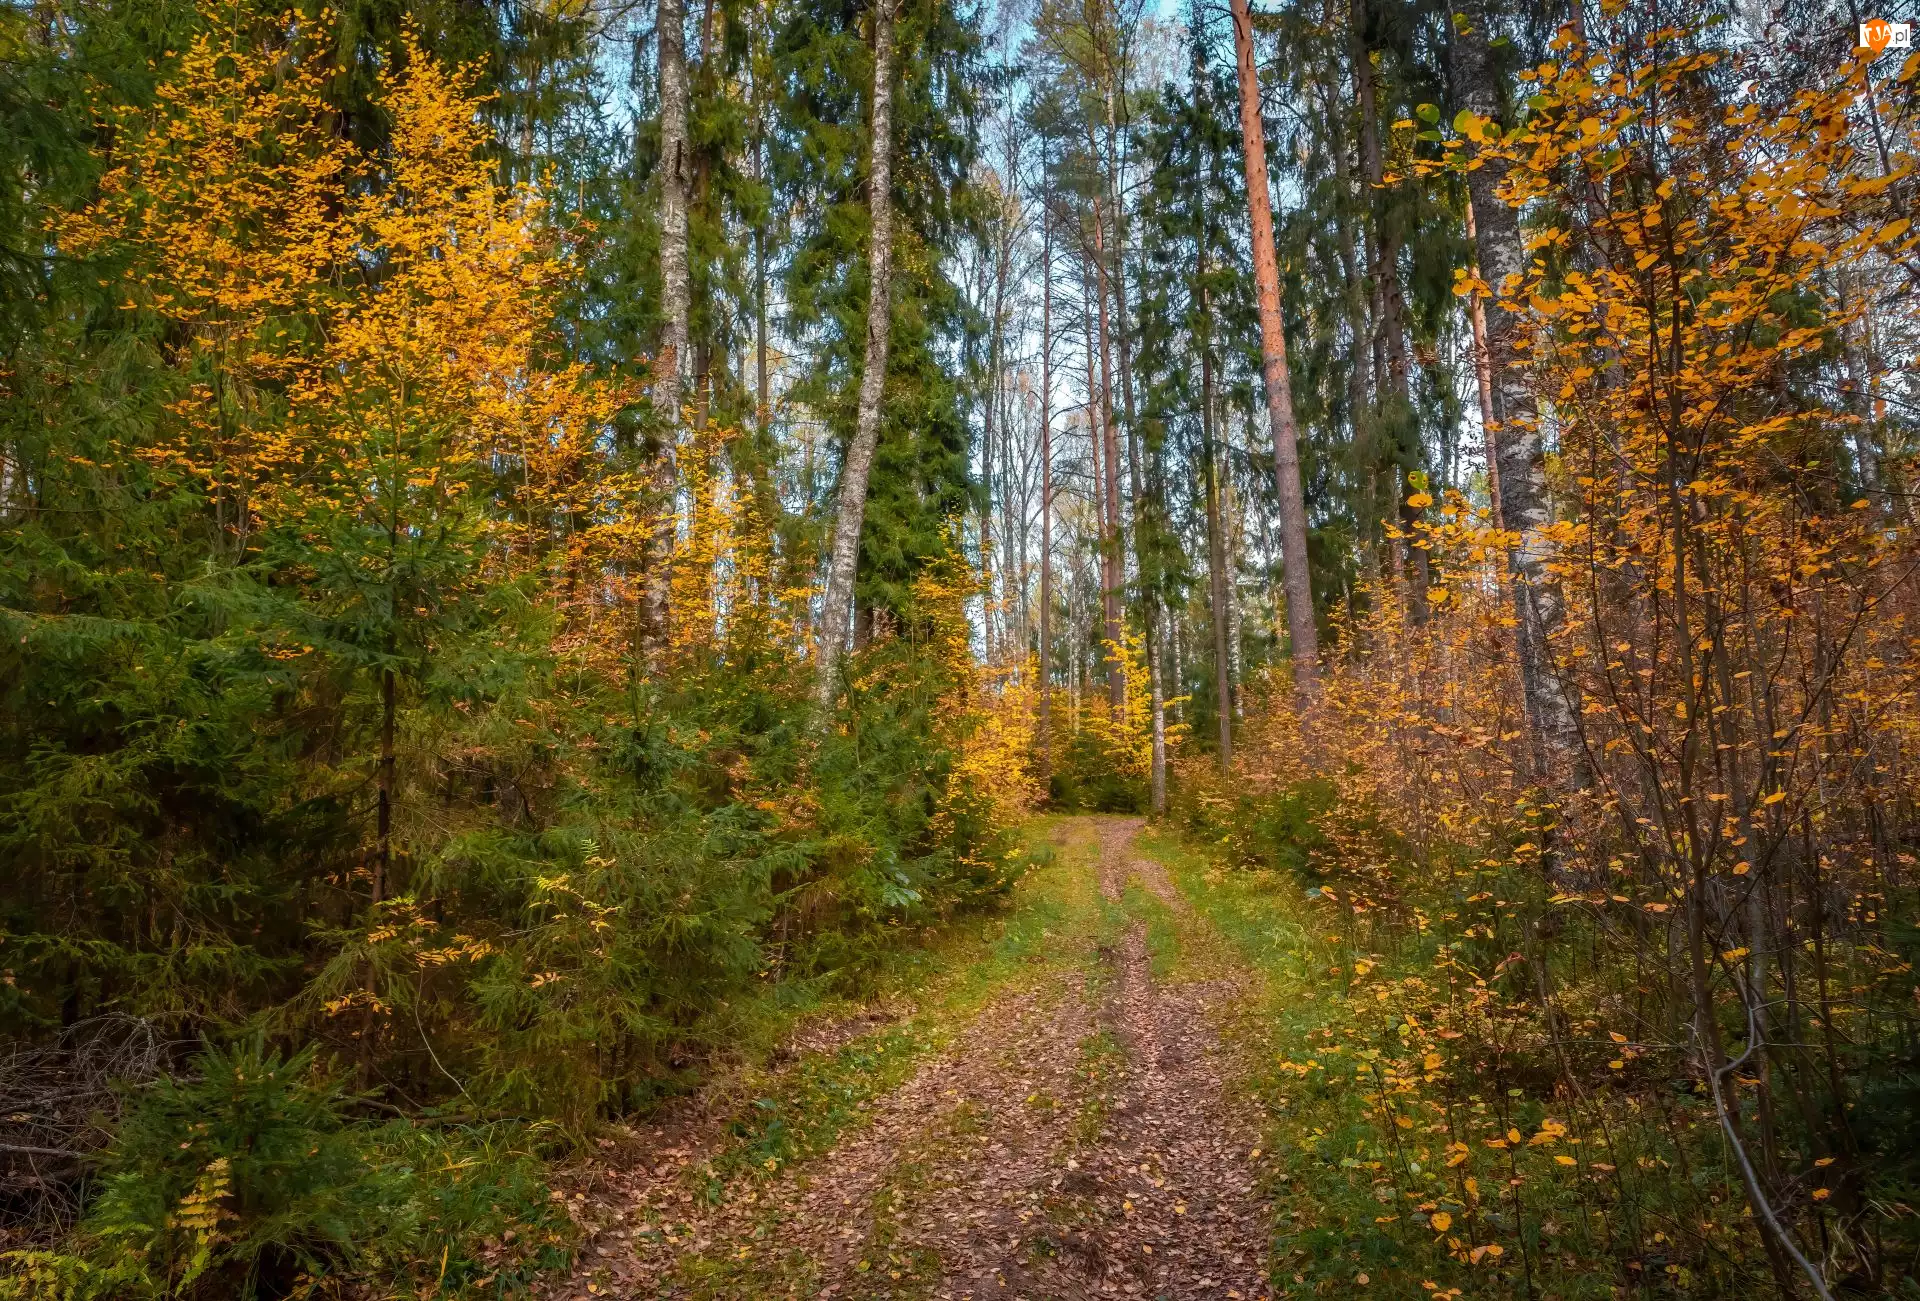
x=1077, y=1137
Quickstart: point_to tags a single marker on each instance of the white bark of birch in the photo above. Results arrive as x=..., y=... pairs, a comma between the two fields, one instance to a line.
x=836, y=608
x=1521, y=453
x=670, y=26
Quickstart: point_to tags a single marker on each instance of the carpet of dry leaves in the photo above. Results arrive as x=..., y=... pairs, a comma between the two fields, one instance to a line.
x=1078, y=1138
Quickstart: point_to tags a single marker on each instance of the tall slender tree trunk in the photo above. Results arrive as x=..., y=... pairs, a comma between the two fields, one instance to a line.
x=1231, y=521
x=1521, y=461
x=1273, y=349
x=762, y=406
x=1014, y=499
x=1157, y=715
x=675, y=179
x=1396, y=407
x=702, y=384
x=1209, y=457
x=1177, y=659
x=1483, y=374
x=1046, y=490
x=1216, y=536
x=383, y=860
x=836, y=606
x=1114, y=567
x=1143, y=505
x=1359, y=368
x=671, y=362
x=992, y=404
x=1152, y=622
x=1096, y=446
x=1377, y=467
x=986, y=526
x=712, y=38
x=1384, y=443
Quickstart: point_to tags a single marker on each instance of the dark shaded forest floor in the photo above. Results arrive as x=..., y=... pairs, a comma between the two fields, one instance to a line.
x=1058, y=1115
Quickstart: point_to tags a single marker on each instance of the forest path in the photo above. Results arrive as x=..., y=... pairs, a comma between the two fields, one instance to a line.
x=1074, y=1134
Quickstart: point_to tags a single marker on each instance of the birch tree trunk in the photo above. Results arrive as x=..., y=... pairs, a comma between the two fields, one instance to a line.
x=1539, y=609
x=1113, y=571
x=837, y=605
x=671, y=23
x=1273, y=349
x=668, y=366
x=1483, y=375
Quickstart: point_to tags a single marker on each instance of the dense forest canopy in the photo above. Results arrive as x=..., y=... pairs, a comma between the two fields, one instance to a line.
x=535, y=540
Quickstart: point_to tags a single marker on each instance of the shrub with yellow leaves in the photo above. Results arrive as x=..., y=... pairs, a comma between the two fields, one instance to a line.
x=1603, y=1031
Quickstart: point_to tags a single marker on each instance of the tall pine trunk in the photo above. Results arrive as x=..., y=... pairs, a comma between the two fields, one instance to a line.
x=836, y=607
x=1046, y=490
x=1396, y=404
x=1216, y=535
x=1209, y=458
x=1273, y=350
x=1150, y=612
x=994, y=330
x=1360, y=421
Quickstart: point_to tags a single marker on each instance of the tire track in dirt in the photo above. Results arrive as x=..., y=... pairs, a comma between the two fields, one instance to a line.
x=1066, y=1144
x=860, y=1217
x=1165, y=1203
x=966, y=1188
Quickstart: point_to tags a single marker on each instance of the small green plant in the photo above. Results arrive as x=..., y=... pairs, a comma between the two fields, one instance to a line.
x=239, y=1177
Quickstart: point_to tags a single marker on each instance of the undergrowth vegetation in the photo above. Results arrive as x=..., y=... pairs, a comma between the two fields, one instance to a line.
x=347, y=742
x=248, y=1175
x=1101, y=758
x=1417, y=1140
x=778, y=1117
x=1617, y=950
